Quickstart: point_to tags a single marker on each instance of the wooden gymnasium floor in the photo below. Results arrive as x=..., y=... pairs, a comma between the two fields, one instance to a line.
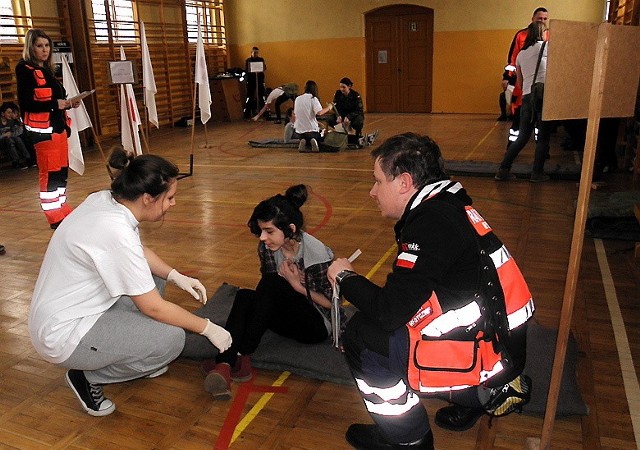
x=205, y=236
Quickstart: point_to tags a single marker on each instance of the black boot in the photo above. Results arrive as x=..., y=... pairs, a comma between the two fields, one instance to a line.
x=514, y=395
x=368, y=437
x=457, y=418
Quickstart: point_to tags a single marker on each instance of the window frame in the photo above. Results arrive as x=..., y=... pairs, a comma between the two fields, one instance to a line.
x=208, y=14
x=115, y=23
x=8, y=25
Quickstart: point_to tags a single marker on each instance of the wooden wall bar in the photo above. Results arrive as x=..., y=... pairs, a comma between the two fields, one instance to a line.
x=172, y=55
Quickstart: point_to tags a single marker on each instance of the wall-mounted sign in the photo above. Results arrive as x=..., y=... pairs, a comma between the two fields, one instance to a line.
x=60, y=49
x=121, y=72
x=413, y=26
x=382, y=57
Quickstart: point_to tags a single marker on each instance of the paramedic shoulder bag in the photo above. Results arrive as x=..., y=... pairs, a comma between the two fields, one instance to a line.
x=537, y=88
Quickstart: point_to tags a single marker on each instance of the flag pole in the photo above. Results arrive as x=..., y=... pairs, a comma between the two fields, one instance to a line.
x=144, y=138
x=206, y=139
x=130, y=118
x=104, y=158
x=196, y=90
x=145, y=129
x=193, y=132
x=148, y=87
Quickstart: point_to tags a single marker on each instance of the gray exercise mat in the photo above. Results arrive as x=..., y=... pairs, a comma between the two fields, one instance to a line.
x=279, y=143
x=611, y=216
x=613, y=204
x=520, y=170
x=323, y=362
x=275, y=143
x=318, y=361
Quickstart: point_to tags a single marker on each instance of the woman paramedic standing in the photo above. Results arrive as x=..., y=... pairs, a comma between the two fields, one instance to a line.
x=96, y=308
x=43, y=104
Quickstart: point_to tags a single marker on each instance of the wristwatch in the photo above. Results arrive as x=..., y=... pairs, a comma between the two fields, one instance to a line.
x=344, y=274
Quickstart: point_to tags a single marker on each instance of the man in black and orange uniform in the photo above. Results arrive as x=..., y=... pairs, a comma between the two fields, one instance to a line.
x=450, y=320
x=509, y=76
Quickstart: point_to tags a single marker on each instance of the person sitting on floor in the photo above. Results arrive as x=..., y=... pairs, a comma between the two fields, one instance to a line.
x=349, y=109
x=10, y=130
x=21, y=134
x=289, y=127
x=292, y=298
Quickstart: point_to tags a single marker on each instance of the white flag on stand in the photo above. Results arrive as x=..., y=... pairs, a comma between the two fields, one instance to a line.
x=148, y=81
x=129, y=116
x=79, y=120
x=202, y=79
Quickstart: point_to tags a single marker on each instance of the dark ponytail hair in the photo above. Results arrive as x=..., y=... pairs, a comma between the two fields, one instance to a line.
x=283, y=210
x=137, y=175
x=535, y=33
x=346, y=81
x=311, y=87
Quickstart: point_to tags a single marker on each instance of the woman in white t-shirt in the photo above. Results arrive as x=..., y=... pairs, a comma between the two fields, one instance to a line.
x=306, y=108
x=526, y=63
x=97, y=309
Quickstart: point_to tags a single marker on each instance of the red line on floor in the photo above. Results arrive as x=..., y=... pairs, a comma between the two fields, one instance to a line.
x=235, y=412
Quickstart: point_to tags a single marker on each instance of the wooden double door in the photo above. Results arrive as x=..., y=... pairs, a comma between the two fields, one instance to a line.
x=399, y=58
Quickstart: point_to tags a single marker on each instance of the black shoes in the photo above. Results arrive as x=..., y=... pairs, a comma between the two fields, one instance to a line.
x=368, y=437
x=539, y=177
x=90, y=395
x=457, y=417
x=22, y=164
x=510, y=397
x=505, y=400
x=504, y=175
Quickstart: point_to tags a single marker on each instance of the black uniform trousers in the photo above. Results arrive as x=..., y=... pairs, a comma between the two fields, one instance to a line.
x=273, y=305
x=379, y=358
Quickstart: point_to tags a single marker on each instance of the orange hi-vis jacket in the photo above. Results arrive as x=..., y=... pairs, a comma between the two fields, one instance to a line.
x=457, y=340
x=38, y=94
x=510, y=69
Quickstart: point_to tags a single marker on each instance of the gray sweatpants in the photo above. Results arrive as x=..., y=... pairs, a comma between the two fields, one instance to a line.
x=124, y=344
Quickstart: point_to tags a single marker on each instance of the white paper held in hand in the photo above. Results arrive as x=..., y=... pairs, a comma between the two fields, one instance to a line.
x=355, y=254
x=81, y=95
x=335, y=307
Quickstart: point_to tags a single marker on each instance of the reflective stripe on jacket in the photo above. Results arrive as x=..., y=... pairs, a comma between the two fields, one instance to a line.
x=455, y=337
